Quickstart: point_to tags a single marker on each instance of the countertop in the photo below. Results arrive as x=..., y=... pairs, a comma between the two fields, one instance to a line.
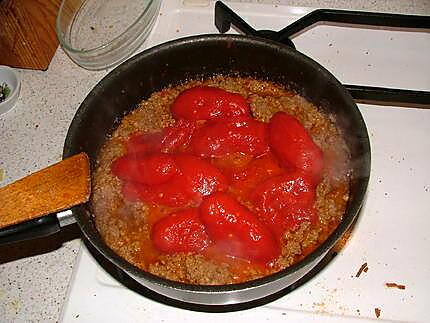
x=34, y=276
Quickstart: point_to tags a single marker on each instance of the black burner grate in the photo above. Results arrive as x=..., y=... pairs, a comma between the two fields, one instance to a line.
x=225, y=17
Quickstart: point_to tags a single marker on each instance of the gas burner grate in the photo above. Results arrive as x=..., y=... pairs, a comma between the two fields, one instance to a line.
x=225, y=18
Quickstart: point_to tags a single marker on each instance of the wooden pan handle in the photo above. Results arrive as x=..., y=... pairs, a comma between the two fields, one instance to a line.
x=49, y=190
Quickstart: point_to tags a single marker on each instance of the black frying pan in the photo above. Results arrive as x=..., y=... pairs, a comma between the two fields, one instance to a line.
x=204, y=56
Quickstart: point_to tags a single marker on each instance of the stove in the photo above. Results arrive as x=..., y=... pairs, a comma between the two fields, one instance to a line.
x=383, y=271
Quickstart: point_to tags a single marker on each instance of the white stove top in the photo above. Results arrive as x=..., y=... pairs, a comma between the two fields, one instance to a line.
x=392, y=234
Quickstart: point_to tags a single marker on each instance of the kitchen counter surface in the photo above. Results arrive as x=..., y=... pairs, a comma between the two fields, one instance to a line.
x=34, y=276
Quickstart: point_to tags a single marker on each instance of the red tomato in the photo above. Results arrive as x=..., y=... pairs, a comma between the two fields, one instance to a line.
x=174, y=138
x=217, y=138
x=204, y=103
x=177, y=137
x=293, y=145
x=149, y=169
x=237, y=231
x=194, y=179
x=257, y=170
x=144, y=143
x=284, y=201
x=168, y=194
x=180, y=232
x=281, y=220
x=199, y=177
x=278, y=192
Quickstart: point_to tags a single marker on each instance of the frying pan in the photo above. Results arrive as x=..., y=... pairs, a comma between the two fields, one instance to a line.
x=194, y=57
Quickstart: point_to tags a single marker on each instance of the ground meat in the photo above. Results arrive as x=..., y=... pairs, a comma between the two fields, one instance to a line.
x=193, y=269
x=124, y=225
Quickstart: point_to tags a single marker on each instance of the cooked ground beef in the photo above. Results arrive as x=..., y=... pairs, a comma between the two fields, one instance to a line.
x=125, y=227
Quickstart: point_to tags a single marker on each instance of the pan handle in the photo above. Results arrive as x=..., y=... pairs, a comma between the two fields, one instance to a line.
x=33, y=229
x=388, y=96
x=36, y=228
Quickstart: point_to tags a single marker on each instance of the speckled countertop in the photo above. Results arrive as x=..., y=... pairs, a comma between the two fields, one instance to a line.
x=34, y=276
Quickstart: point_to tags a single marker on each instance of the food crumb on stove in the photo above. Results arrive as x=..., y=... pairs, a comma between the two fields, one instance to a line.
x=331, y=44
x=395, y=285
x=76, y=316
x=177, y=30
x=377, y=312
x=362, y=268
